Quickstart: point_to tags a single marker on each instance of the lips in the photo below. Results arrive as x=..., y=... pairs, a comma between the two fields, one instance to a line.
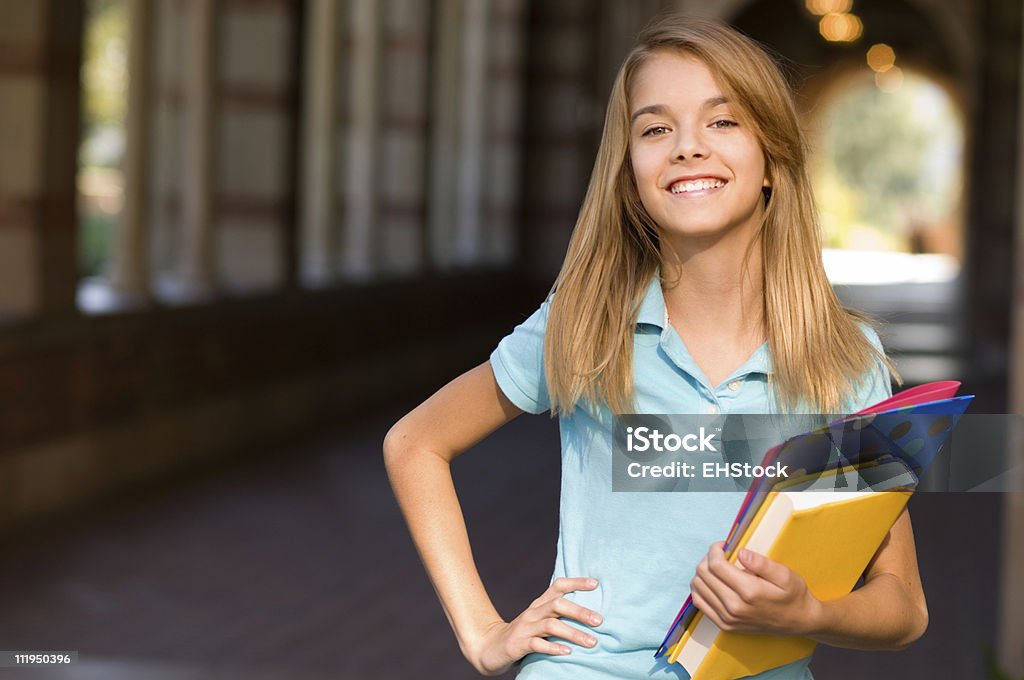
x=695, y=185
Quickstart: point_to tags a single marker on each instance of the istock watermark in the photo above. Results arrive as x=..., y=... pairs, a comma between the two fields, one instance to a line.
x=645, y=438
x=932, y=452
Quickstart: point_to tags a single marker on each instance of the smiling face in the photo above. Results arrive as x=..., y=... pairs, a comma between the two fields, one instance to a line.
x=699, y=172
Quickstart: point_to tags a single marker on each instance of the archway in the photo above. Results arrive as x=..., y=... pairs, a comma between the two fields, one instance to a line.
x=888, y=171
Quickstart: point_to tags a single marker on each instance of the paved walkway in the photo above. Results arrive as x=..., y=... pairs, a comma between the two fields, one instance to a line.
x=297, y=565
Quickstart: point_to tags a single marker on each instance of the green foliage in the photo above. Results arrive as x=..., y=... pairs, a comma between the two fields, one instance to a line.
x=878, y=148
x=95, y=240
x=104, y=64
x=104, y=98
x=887, y=159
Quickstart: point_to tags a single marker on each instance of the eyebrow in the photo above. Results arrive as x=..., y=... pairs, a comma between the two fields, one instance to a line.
x=660, y=108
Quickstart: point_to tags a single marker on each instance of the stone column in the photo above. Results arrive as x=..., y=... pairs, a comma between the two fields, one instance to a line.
x=198, y=275
x=362, y=148
x=502, y=176
x=472, y=115
x=319, y=146
x=444, y=97
x=129, y=275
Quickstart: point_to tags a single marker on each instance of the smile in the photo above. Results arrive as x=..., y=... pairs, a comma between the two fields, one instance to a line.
x=693, y=186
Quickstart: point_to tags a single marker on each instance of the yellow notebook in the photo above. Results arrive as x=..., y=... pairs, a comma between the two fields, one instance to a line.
x=826, y=537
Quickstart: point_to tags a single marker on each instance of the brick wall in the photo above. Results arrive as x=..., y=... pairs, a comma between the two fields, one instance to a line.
x=92, y=404
x=39, y=56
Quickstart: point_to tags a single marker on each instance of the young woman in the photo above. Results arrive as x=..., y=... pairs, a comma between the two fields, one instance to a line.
x=693, y=283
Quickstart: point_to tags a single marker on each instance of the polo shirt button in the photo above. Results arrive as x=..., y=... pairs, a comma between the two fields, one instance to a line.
x=712, y=409
x=734, y=385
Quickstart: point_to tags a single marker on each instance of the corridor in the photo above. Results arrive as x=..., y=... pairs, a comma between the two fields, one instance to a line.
x=295, y=564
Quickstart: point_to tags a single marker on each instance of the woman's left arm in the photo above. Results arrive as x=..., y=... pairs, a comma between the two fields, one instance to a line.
x=887, y=612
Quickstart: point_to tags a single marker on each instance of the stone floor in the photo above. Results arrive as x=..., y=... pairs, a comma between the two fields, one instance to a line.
x=293, y=565
x=296, y=563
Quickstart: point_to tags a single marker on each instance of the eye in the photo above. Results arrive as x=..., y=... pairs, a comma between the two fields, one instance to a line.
x=654, y=131
x=724, y=123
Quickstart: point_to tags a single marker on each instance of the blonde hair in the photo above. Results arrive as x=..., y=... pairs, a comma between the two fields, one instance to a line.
x=819, y=353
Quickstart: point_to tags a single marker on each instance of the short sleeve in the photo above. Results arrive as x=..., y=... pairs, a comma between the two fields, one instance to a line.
x=518, y=363
x=876, y=385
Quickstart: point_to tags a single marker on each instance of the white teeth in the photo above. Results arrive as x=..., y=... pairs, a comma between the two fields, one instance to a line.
x=696, y=185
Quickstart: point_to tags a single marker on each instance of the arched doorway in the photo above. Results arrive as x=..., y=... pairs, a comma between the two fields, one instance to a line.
x=888, y=168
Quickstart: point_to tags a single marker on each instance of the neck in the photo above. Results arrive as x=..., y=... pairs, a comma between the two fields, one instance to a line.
x=707, y=286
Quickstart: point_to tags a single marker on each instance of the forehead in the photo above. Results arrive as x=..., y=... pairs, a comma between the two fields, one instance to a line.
x=672, y=77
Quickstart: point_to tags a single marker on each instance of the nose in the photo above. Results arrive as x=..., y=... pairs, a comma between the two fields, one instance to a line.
x=689, y=145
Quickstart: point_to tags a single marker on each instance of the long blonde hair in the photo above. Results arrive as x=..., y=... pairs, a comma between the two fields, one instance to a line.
x=818, y=351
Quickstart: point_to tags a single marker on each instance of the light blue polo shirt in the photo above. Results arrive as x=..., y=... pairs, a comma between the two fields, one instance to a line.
x=642, y=547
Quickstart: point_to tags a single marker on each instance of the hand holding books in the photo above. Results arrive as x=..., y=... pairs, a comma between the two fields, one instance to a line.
x=826, y=538
x=753, y=595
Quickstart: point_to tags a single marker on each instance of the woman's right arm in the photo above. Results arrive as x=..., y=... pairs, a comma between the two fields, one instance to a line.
x=418, y=451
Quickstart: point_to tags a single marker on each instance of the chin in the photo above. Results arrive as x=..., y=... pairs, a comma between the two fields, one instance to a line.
x=706, y=229
x=698, y=231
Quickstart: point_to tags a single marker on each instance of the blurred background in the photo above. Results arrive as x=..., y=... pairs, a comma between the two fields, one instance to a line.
x=239, y=239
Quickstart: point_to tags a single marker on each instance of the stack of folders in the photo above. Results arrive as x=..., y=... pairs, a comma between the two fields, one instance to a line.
x=874, y=458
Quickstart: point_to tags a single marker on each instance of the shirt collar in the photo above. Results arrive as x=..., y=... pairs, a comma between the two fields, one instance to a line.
x=759, y=362
x=652, y=307
x=653, y=312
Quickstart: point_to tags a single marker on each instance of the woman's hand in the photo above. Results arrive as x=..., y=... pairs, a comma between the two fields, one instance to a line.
x=502, y=644
x=764, y=596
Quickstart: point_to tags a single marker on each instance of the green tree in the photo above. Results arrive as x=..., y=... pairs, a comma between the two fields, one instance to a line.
x=895, y=153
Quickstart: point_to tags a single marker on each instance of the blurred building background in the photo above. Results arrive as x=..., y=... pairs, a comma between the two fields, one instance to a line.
x=238, y=239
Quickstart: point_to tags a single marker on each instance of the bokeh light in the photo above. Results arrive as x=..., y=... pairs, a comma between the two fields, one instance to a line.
x=881, y=58
x=836, y=27
x=823, y=7
x=889, y=80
